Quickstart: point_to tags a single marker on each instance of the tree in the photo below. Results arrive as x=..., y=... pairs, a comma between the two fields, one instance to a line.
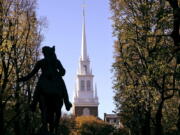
x=67, y=125
x=89, y=125
x=175, y=35
x=20, y=38
x=145, y=66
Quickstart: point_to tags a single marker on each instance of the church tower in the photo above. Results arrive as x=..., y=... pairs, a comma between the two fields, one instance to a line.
x=85, y=97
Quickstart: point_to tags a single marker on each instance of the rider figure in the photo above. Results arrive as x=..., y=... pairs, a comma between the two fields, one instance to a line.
x=50, y=81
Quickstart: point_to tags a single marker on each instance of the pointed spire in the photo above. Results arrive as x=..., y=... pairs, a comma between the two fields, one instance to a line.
x=84, y=45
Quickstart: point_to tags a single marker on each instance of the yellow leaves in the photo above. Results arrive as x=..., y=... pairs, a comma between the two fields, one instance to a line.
x=88, y=119
x=6, y=46
x=148, y=54
x=92, y=125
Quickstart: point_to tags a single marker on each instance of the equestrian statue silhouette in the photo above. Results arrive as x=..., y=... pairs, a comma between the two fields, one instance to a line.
x=50, y=91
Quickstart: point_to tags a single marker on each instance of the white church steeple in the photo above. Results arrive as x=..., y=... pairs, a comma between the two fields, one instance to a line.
x=85, y=98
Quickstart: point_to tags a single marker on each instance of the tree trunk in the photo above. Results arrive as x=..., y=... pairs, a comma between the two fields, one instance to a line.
x=17, y=124
x=176, y=38
x=147, y=128
x=159, y=128
x=1, y=104
x=178, y=122
x=1, y=117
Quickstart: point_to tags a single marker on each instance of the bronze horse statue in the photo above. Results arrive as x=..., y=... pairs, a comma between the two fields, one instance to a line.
x=50, y=91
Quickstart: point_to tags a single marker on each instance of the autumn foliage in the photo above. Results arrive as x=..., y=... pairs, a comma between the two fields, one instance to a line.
x=146, y=65
x=90, y=125
x=20, y=38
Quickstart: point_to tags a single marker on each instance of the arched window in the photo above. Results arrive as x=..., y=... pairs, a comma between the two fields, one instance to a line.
x=82, y=84
x=86, y=111
x=88, y=85
x=85, y=69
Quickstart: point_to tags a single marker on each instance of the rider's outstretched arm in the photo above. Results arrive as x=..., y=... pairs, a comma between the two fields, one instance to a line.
x=34, y=71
